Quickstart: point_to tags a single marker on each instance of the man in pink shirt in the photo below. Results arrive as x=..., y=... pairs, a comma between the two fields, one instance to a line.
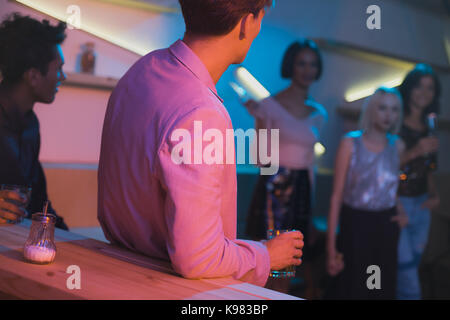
x=186, y=212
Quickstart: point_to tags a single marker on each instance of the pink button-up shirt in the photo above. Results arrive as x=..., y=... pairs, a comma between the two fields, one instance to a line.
x=150, y=204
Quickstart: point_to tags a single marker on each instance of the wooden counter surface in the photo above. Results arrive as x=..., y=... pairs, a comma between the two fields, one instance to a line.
x=107, y=272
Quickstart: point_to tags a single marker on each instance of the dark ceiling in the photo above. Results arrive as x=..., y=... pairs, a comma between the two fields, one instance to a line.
x=435, y=6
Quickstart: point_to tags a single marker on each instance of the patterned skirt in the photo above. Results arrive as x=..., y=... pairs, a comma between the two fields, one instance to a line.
x=280, y=201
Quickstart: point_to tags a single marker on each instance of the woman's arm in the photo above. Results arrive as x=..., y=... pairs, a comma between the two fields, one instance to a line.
x=423, y=147
x=401, y=148
x=260, y=124
x=409, y=155
x=401, y=218
x=341, y=166
x=433, y=200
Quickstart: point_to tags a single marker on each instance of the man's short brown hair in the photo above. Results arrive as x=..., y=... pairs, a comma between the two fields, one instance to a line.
x=218, y=17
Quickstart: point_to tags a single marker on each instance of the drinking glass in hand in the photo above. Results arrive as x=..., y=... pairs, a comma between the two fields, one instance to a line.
x=288, y=272
x=24, y=191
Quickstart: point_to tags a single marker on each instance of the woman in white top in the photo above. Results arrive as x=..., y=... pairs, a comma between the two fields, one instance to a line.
x=283, y=200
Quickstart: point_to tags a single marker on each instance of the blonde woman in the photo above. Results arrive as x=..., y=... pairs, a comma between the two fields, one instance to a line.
x=364, y=200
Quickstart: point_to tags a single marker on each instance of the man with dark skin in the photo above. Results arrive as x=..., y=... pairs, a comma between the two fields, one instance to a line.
x=31, y=61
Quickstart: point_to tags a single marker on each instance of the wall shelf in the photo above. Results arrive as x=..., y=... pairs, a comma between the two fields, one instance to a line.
x=85, y=80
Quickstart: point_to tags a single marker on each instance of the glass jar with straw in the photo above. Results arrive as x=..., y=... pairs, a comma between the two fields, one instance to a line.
x=40, y=246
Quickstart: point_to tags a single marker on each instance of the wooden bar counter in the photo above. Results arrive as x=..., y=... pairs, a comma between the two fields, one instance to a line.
x=106, y=272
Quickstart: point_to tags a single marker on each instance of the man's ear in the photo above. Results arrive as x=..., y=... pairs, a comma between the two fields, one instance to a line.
x=245, y=26
x=32, y=76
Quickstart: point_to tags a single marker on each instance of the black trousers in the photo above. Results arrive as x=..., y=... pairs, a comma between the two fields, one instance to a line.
x=366, y=238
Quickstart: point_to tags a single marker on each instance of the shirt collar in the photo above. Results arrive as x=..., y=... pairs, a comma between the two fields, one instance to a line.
x=14, y=120
x=191, y=61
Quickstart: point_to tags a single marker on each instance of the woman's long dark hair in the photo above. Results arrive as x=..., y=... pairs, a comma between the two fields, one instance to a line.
x=412, y=81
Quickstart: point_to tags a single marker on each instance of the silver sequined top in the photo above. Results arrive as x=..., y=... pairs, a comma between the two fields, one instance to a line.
x=372, y=178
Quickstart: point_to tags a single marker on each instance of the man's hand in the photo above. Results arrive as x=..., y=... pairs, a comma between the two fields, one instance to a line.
x=285, y=250
x=10, y=208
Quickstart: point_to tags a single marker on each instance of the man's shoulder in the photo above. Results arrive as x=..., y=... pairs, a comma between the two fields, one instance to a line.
x=203, y=109
x=148, y=63
x=31, y=123
x=160, y=77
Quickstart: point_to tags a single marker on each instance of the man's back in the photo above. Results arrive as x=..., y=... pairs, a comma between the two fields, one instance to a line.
x=147, y=202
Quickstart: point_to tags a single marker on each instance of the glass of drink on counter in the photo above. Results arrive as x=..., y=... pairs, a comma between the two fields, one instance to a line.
x=288, y=272
x=24, y=191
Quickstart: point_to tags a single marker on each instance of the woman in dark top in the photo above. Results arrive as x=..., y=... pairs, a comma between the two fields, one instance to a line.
x=421, y=92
